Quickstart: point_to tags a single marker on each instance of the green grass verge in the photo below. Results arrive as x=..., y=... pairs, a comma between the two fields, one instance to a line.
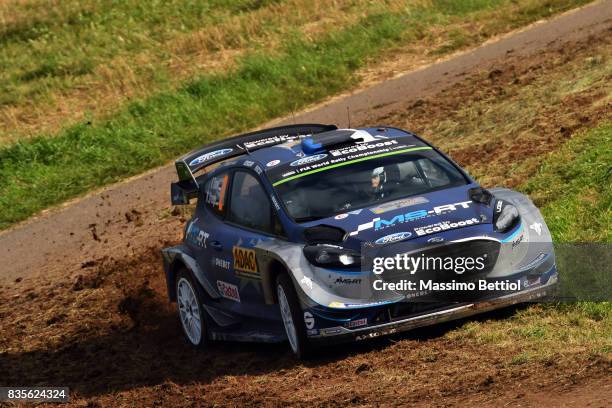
x=574, y=183
x=574, y=189
x=46, y=170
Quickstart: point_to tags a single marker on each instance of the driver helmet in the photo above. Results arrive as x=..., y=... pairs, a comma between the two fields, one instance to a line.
x=379, y=177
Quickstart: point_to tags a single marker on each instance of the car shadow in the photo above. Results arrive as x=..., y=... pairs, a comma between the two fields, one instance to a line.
x=151, y=354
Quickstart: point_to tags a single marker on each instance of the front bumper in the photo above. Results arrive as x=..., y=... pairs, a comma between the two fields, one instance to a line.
x=342, y=334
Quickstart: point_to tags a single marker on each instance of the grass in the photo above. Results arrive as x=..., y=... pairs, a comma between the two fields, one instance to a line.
x=543, y=127
x=577, y=198
x=514, y=115
x=548, y=331
x=134, y=48
x=261, y=85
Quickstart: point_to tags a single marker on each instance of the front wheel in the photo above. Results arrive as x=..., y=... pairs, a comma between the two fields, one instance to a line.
x=291, y=313
x=190, y=310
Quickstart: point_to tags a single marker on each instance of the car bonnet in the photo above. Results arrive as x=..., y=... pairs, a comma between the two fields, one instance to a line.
x=411, y=217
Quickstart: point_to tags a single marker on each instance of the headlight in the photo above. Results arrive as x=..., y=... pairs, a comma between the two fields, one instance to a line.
x=505, y=216
x=332, y=256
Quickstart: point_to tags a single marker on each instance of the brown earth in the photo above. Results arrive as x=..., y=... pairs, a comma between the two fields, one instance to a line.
x=90, y=310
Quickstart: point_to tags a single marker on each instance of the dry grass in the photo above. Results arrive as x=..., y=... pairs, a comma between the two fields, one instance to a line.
x=502, y=125
x=164, y=64
x=118, y=66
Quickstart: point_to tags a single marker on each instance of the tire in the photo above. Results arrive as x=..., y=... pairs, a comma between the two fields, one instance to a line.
x=293, y=319
x=191, y=313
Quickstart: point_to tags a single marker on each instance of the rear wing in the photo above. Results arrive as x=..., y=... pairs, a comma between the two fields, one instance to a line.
x=186, y=167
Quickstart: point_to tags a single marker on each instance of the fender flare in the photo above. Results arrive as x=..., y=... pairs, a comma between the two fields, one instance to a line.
x=176, y=257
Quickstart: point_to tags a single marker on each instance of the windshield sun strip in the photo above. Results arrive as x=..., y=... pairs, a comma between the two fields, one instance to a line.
x=332, y=166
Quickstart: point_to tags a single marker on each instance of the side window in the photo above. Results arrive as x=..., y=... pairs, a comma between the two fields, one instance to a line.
x=250, y=205
x=215, y=195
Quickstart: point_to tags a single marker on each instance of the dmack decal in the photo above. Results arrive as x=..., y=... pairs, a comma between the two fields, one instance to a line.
x=245, y=260
x=228, y=291
x=380, y=223
x=211, y=155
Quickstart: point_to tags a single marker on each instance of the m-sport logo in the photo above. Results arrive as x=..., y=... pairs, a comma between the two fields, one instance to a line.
x=379, y=223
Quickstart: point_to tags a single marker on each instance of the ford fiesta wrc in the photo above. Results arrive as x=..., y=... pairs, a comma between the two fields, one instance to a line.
x=289, y=222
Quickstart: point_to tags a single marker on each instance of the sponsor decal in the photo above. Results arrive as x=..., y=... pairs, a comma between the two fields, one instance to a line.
x=228, y=291
x=334, y=162
x=381, y=223
x=357, y=323
x=375, y=334
x=308, y=160
x=309, y=320
x=306, y=281
x=361, y=147
x=535, y=261
x=289, y=173
x=330, y=331
x=347, y=281
x=249, y=163
x=209, y=156
x=537, y=227
x=245, y=260
x=197, y=236
x=271, y=140
x=516, y=242
x=531, y=281
x=272, y=163
x=341, y=216
x=276, y=204
x=258, y=170
x=221, y=263
x=312, y=332
x=435, y=239
x=398, y=236
x=444, y=226
x=396, y=205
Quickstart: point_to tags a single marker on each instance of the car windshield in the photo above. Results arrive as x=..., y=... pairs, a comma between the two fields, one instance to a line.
x=341, y=189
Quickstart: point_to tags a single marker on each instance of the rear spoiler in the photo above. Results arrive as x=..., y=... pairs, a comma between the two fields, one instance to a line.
x=187, y=187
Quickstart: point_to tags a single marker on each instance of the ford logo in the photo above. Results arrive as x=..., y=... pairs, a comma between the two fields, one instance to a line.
x=308, y=159
x=208, y=156
x=398, y=236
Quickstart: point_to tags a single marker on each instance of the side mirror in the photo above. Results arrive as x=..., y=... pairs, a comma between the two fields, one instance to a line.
x=182, y=192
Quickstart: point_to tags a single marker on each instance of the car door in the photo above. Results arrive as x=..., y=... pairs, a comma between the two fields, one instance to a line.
x=206, y=232
x=249, y=221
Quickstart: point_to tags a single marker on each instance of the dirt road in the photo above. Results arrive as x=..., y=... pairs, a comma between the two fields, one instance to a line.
x=83, y=303
x=61, y=239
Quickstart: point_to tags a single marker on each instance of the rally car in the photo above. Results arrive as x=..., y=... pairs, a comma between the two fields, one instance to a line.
x=288, y=222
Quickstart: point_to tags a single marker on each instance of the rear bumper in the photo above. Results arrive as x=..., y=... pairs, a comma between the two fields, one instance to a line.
x=343, y=334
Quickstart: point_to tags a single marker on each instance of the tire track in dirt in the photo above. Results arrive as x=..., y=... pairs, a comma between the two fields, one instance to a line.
x=60, y=239
x=97, y=317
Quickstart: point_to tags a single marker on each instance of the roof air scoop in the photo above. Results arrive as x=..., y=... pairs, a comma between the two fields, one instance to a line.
x=321, y=142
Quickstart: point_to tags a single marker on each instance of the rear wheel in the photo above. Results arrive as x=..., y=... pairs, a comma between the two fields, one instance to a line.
x=190, y=310
x=291, y=313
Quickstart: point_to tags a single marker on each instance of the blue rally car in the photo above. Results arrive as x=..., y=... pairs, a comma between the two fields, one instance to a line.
x=289, y=221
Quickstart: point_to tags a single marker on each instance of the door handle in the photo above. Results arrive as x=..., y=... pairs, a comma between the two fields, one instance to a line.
x=217, y=245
